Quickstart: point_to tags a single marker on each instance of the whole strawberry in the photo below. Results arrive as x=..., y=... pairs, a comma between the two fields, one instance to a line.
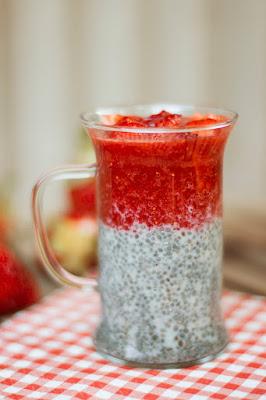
x=18, y=289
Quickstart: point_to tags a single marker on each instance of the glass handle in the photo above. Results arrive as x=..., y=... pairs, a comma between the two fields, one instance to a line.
x=47, y=254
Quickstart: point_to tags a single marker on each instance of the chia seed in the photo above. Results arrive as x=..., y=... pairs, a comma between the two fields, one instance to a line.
x=161, y=313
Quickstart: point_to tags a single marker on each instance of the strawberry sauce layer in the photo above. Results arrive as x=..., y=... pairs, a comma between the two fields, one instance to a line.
x=160, y=178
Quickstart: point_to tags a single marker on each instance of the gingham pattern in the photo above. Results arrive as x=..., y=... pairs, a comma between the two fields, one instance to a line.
x=47, y=353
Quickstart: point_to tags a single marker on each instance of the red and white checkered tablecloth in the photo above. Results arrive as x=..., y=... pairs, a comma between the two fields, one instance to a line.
x=47, y=353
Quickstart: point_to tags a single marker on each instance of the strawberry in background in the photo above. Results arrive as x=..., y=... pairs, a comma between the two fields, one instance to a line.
x=82, y=199
x=18, y=288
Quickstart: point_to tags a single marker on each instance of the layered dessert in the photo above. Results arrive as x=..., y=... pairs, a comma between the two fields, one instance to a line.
x=159, y=189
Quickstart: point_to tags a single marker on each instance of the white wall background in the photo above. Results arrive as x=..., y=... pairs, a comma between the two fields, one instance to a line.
x=60, y=57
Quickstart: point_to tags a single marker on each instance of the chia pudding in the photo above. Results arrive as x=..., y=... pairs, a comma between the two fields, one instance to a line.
x=160, y=237
x=160, y=290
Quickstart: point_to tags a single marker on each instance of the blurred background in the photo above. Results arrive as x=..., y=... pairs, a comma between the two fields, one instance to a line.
x=61, y=57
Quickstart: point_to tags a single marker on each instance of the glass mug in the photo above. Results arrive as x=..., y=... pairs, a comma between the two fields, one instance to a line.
x=159, y=202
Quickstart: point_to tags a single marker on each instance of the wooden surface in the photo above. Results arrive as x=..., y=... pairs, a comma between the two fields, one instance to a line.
x=245, y=250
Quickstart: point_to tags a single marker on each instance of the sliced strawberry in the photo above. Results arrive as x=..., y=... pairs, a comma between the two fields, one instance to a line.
x=18, y=289
x=132, y=121
x=201, y=122
x=164, y=119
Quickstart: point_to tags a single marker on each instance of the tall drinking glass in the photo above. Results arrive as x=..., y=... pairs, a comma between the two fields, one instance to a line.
x=159, y=195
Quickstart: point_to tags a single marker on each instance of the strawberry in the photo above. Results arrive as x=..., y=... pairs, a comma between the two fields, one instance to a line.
x=164, y=119
x=201, y=122
x=82, y=199
x=132, y=121
x=17, y=289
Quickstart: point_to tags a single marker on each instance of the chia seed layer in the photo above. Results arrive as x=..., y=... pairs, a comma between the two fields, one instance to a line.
x=160, y=290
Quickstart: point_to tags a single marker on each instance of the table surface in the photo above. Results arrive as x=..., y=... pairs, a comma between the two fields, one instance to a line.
x=47, y=353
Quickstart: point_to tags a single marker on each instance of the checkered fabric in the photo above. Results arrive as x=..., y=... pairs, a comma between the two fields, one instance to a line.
x=47, y=353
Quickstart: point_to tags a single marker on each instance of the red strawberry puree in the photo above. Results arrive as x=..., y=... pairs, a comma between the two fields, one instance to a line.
x=160, y=178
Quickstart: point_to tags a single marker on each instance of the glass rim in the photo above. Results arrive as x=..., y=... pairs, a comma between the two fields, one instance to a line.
x=91, y=119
